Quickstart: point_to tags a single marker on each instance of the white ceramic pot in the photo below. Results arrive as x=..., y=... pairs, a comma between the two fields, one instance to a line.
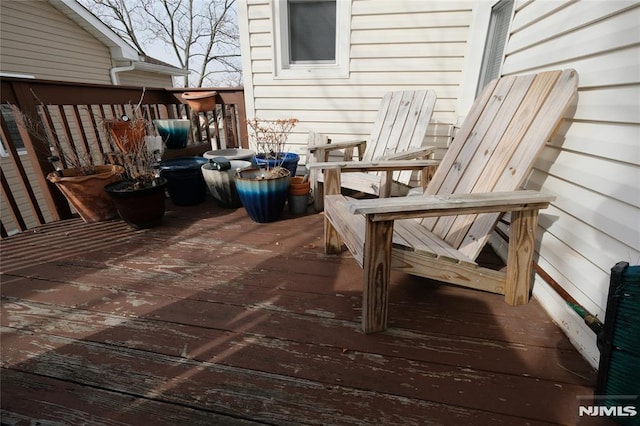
x=221, y=183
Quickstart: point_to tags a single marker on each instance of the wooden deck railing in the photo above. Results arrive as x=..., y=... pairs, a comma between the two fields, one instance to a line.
x=73, y=112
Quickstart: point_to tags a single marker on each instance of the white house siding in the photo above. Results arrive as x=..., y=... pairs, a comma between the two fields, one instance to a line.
x=394, y=45
x=39, y=40
x=595, y=170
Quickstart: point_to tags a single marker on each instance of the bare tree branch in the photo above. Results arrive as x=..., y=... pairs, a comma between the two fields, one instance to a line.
x=198, y=35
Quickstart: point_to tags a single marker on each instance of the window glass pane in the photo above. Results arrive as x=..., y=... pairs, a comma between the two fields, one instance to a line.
x=312, y=30
x=496, y=41
x=10, y=121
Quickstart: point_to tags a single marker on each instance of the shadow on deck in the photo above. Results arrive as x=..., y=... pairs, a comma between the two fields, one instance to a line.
x=214, y=319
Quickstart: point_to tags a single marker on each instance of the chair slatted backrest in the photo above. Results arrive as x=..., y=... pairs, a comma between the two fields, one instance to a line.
x=401, y=125
x=507, y=126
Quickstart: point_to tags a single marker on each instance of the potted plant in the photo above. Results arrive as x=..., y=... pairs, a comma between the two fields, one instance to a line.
x=128, y=132
x=140, y=196
x=76, y=174
x=263, y=189
x=270, y=137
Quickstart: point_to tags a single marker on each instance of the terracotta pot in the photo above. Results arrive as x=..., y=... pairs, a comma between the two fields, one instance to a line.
x=86, y=194
x=200, y=101
x=298, y=187
x=298, y=199
x=128, y=135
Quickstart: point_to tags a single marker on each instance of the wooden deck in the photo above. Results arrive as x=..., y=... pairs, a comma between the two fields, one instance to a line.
x=213, y=319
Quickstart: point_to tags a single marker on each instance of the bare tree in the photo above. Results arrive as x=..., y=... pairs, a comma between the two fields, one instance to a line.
x=200, y=35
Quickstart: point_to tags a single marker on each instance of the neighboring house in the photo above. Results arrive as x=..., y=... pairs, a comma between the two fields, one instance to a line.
x=328, y=63
x=61, y=40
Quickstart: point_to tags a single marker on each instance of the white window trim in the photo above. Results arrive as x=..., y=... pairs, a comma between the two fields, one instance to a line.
x=285, y=70
x=475, y=52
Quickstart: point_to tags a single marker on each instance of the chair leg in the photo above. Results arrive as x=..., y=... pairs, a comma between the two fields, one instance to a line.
x=377, y=274
x=332, y=239
x=522, y=238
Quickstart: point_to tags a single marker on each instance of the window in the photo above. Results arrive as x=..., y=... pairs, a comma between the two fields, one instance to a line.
x=312, y=38
x=496, y=42
x=14, y=134
x=312, y=31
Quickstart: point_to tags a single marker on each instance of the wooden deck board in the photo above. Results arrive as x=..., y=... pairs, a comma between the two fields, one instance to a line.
x=218, y=320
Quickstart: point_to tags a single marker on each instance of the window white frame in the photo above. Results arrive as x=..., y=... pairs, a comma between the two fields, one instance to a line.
x=475, y=52
x=285, y=69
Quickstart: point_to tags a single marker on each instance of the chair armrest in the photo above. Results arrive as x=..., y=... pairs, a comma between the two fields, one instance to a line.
x=335, y=145
x=364, y=166
x=447, y=205
x=410, y=153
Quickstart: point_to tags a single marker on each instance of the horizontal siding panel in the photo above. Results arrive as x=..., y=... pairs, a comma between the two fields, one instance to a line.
x=419, y=79
x=261, y=39
x=429, y=19
x=617, y=219
x=531, y=12
x=615, y=105
x=567, y=18
x=417, y=35
x=259, y=10
x=613, y=179
x=34, y=54
x=390, y=7
x=83, y=55
x=328, y=92
x=407, y=64
x=56, y=70
x=614, y=33
x=585, y=239
x=595, y=139
x=262, y=53
x=611, y=68
x=260, y=26
x=409, y=50
x=342, y=104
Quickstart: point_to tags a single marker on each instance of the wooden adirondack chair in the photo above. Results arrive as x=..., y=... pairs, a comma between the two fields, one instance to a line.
x=398, y=133
x=478, y=178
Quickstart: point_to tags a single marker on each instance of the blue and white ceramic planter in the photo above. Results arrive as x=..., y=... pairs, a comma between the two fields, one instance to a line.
x=263, y=199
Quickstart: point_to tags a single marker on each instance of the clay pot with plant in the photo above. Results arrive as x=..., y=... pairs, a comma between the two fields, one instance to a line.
x=263, y=189
x=77, y=175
